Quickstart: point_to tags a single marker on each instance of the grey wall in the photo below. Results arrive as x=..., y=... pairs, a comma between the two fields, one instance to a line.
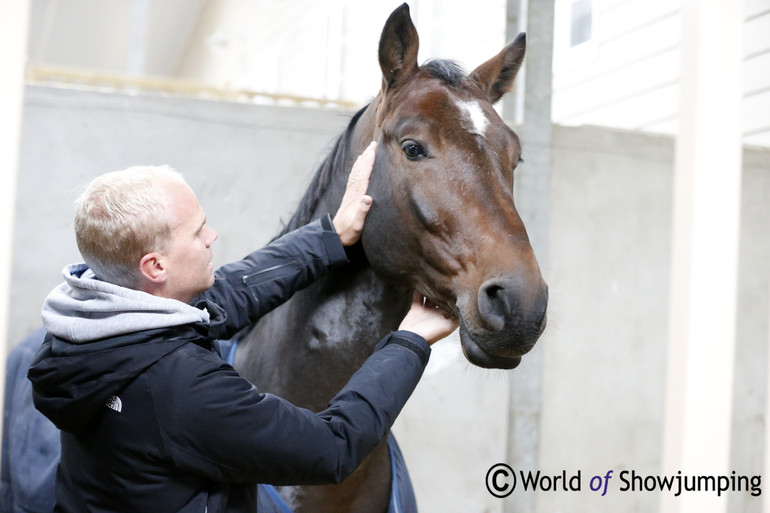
x=603, y=354
x=605, y=364
x=248, y=164
x=611, y=205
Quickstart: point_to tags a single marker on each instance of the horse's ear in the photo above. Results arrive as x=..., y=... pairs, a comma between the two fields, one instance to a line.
x=497, y=74
x=398, y=47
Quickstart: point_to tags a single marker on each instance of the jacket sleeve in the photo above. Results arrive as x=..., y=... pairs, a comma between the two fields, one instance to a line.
x=268, y=277
x=228, y=431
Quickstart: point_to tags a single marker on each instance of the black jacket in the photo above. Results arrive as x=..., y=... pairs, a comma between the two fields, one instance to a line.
x=156, y=421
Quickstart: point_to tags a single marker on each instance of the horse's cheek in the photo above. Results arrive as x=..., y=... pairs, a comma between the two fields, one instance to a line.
x=386, y=249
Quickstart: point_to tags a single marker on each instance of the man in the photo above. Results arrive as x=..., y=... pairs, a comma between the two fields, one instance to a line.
x=152, y=418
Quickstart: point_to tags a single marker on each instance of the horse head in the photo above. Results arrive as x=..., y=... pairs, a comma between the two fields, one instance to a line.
x=444, y=220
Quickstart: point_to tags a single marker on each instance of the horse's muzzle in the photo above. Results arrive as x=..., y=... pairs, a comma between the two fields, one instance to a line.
x=509, y=318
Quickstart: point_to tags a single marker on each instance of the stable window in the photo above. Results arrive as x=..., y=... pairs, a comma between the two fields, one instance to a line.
x=581, y=22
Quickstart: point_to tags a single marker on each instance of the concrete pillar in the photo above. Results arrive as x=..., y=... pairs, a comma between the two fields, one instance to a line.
x=534, y=173
x=14, y=21
x=704, y=251
x=530, y=109
x=515, y=23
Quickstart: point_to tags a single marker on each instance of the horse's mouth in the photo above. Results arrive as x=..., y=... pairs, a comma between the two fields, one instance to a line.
x=473, y=352
x=478, y=356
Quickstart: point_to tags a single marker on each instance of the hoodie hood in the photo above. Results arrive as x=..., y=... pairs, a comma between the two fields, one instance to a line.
x=84, y=308
x=101, y=337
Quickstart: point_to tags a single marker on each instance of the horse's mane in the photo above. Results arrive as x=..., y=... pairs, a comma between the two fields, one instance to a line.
x=449, y=72
x=323, y=176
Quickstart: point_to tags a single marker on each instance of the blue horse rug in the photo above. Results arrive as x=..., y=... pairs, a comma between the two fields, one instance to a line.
x=402, y=498
x=401, y=493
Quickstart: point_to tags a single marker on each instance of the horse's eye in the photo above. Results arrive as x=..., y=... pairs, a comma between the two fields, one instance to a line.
x=413, y=150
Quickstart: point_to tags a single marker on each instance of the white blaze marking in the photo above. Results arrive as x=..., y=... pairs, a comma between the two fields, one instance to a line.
x=472, y=111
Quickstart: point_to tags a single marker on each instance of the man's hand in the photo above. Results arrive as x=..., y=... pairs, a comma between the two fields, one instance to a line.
x=427, y=320
x=349, y=219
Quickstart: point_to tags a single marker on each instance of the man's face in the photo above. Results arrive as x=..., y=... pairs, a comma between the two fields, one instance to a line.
x=189, y=259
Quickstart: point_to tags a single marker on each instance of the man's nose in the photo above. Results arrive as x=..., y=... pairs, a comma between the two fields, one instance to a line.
x=213, y=235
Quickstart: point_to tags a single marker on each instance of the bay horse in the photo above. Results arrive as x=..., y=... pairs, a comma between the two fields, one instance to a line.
x=443, y=222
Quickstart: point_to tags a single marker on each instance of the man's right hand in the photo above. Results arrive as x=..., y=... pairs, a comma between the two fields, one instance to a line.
x=427, y=320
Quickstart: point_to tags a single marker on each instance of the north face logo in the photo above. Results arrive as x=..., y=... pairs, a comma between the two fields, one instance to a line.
x=114, y=403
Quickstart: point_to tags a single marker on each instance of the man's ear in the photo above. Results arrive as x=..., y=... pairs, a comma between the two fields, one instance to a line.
x=152, y=268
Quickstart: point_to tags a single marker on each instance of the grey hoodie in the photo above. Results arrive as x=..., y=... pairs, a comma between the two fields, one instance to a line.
x=84, y=309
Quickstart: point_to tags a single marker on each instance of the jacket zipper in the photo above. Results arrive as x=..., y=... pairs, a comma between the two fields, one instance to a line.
x=246, y=277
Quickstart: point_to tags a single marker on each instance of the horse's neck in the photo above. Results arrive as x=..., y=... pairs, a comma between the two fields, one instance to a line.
x=308, y=348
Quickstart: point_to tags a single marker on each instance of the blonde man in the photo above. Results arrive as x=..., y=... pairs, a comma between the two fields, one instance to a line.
x=129, y=370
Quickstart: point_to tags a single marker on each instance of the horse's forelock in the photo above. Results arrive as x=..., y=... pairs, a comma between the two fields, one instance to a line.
x=448, y=71
x=323, y=176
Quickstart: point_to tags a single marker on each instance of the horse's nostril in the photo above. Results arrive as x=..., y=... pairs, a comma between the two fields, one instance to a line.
x=493, y=291
x=493, y=304
x=512, y=305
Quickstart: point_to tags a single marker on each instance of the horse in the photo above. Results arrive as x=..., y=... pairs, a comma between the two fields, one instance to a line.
x=443, y=223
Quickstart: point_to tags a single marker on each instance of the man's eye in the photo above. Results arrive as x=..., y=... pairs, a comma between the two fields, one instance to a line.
x=413, y=150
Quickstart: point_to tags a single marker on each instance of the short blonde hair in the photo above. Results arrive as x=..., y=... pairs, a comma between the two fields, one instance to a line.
x=122, y=216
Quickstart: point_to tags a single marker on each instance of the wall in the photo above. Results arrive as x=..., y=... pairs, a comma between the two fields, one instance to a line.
x=604, y=350
x=603, y=372
x=627, y=75
x=753, y=332
x=328, y=49
x=133, y=37
x=248, y=164
x=604, y=368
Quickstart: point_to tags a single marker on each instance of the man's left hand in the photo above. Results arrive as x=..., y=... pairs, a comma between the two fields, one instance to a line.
x=349, y=219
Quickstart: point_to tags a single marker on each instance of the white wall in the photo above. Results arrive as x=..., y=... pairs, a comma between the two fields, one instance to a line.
x=134, y=37
x=328, y=49
x=627, y=75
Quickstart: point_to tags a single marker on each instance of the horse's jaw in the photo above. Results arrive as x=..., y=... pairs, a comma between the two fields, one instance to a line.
x=475, y=354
